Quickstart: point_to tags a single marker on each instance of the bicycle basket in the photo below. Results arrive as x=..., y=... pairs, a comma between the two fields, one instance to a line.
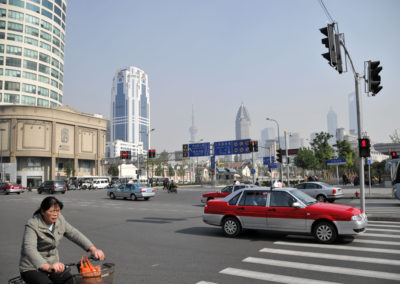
x=106, y=275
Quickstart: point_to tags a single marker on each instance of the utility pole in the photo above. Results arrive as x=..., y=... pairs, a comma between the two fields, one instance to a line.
x=287, y=159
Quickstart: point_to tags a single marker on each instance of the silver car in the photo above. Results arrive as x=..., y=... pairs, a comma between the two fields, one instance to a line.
x=321, y=191
x=132, y=191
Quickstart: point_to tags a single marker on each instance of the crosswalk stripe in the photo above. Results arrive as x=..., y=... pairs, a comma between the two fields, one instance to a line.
x=383, y=230
x=383, y=222
x=205, y=282
x=383, y=225
x=377, y=242
x=380, y=235
x=380, y=250
x=332, y=256
x=271, y=277
x=324, y=268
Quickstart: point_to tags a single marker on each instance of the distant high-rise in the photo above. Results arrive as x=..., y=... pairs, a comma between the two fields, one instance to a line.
x=193, y=129
x=352, y=114
x=268, y=134
x=242, y=123
x=332, y=122
x=130, y=107
x=32, y=44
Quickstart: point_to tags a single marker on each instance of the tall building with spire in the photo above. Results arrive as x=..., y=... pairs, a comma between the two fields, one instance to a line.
x=331, y=119
x=242, y=123
x=193, y=129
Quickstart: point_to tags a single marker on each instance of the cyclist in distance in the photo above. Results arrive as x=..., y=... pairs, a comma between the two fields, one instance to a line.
x=39, y=262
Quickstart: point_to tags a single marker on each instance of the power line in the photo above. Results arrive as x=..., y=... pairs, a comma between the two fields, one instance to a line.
x=326, y=11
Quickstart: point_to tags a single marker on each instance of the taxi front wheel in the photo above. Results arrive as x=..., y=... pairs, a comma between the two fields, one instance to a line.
x=325, y=232
x=231, y=227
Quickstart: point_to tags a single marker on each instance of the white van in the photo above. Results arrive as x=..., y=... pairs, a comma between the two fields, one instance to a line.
x=100, y=183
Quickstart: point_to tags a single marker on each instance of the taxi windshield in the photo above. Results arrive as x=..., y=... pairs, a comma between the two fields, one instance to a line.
x=303, y=197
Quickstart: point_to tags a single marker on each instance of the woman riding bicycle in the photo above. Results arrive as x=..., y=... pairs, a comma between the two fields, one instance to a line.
x=43, y=232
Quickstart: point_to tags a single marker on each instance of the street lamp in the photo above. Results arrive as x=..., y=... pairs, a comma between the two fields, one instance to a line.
x=279, y=144
x=1, y=153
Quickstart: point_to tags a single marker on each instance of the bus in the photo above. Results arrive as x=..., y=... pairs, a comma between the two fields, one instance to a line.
x=394, y=167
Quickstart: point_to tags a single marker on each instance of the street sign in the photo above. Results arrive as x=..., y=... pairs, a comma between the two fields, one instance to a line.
x=274, y=166
x=369, y=160
x=267, y=160
x=232, y=147
x=290, y=152
x=213, y=162
x=199, y=149
x=339, y=161
x=253, y=171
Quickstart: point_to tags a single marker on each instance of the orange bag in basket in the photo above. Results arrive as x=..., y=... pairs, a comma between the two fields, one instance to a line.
x=89, y=272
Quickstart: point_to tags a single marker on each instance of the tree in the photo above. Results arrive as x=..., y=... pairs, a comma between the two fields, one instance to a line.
x=113, y=170
x=395, y=137
x=344, y=150
x=171, y=171
x=69, y=168
x=159, y=171
x=322, y=150
x=305, y=159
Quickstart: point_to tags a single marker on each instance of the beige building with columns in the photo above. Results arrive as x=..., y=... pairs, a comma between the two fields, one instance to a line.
x=42, y=141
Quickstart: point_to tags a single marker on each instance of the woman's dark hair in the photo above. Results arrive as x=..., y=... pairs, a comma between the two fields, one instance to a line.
x=47, y=203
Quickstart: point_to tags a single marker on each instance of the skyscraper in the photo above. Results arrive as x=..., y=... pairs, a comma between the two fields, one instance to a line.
x=353, y=129
x=332, y=122
x=130, y=107
x=32, y=43
x=193, y=129
x=242, y=123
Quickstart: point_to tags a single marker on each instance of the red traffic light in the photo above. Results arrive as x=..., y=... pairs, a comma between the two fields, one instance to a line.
x=394, y=155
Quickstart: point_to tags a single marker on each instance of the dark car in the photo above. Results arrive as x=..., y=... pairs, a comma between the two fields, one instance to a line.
x=52, y=186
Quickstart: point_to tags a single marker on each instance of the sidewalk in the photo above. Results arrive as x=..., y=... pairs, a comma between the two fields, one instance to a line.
x=373, y=193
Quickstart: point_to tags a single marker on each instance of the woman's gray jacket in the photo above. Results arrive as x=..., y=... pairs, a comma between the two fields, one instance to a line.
x=39, y=245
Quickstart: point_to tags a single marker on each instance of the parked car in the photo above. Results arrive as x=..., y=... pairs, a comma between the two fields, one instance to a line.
x=321, y=191
x=52, y=186
x=8, y=187
x=287, y=210
x=224, y=191
x=132, y=191
x=100, y=183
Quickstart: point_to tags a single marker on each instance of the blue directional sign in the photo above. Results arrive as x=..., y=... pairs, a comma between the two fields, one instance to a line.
x=339, y=161
x=253, y=171
x=232, y=147
x=199, y=149
x=267, y=160
x=274, y=166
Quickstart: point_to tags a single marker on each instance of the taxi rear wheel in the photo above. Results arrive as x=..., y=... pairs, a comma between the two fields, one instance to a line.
x=325, y=232
x=231, y=227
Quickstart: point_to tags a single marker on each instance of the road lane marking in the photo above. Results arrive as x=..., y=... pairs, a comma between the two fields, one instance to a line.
x=324, y=268
x=205, y=282
x=332, y=256
x=382, y=225
x=376, y=242
x=271, y=277
x=380, y=235
x=380, y=250
x=383, y=230
x=383, y=222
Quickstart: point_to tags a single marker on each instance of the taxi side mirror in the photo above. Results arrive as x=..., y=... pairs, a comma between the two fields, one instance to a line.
x=296, y=205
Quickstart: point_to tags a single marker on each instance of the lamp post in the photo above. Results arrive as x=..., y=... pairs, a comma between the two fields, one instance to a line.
x=279, y=144
x=1, y=153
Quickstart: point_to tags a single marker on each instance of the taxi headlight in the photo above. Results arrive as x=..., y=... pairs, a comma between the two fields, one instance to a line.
x=356, y=218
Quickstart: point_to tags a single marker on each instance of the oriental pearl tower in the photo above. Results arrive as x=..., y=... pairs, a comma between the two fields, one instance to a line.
x=193, y=129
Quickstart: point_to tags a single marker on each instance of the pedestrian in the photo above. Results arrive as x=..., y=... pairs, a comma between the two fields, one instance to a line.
x=42, y=235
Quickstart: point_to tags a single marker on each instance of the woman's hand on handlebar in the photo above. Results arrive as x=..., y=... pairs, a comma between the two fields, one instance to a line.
x=57, y=267
x=97, y=253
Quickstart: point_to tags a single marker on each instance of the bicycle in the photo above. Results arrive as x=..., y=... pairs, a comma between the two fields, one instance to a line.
x=106, y=275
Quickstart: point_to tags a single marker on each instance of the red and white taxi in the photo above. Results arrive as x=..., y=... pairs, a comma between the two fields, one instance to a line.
x=224, y=192
x=283, y=210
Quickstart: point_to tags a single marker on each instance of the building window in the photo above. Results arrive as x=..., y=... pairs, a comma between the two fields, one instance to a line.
x=16, y=50
x=54, y=73
x=11, y=98
x=45, y=46
x=32, y=7
x=13, y=73
x=11, y=86
x=31, y=31
x=34, y=164
x=60, y=98
x=15, y=15
x=3, y=12
x=47, y=14
x=27, y=88
x=53, y=105
x=43, y=92
x=15, y=27
x=30, y=76
x=14, y=37
x=44, y=58
x=56, y=41
x=27, y=100
x=31, y=65
x=15, y=62
x=84, y=166
x=2, y=25
x=30, y=53
x=44, y=79
x=44, y=69
x=43, y=103
x=45, y=36
x=54, y=95
x=56, y=51
x=57, y=20
x=46, y=25
x=1, y=60
x=56, y=31
x=32, y=19
x=17, y=3
x=31, y=41
x=54, y=83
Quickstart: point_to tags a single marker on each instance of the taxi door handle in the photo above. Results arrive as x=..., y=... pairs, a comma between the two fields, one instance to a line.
x=272, y=209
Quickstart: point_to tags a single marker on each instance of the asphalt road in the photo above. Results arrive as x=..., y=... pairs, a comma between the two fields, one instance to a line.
x=165, y=241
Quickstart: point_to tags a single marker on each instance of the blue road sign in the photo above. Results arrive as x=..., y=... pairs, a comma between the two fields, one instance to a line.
x=274, y=166
x=267, y=160
x=253, y=171
x=339, y=161
x=369, y=160
x=199, y=149
x=213, y=162
x=231, y=147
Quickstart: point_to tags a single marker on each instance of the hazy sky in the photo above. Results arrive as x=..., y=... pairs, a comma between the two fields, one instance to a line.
x=216, y=54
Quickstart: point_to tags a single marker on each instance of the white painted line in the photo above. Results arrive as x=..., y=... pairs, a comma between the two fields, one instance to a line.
x=386, y=226
x=383, y=222
x=332, y=256
x=380, y=235
x=271, y=277
x=377, y=242
x=383, y=230
x=380, y=250
x=205, y=282
x=324, y=268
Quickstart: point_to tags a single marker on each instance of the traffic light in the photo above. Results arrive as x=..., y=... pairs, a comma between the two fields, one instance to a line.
x=149, y=154
x=279, y=155
x=394, y=155
x=153, y=153
x=255, y=146
x=364, y=147
x=251, y=148
x=185, y=150
x=332, y=42
x=374, y=80
x=125, y=155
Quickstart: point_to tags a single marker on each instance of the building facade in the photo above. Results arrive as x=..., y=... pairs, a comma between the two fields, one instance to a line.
x=44, y=142
x=242, y=123
x=32, y=44
x=130, y=108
